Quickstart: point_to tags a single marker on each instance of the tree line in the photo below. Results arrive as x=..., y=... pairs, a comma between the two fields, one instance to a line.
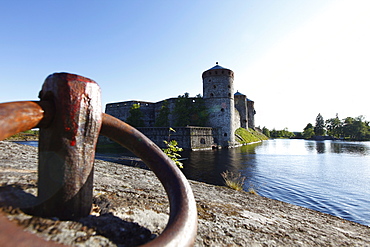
x=349, y=128
x=285, y=133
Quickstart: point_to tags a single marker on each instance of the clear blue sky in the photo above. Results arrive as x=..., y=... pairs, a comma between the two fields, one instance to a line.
x=295, y=59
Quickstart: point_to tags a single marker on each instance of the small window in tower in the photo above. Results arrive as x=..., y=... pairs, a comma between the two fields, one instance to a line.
x=229, y=94
x=225, y=134
x=222, y=109
x=228, y=86
x=211, y=94
x=202, y=141
x=222, y=72
x=214, y=86
x=216, y=72
x=209, y=80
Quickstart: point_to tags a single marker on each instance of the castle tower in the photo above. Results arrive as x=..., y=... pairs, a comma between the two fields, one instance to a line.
x=241, y=106
x=218, y=93
x=251, y=113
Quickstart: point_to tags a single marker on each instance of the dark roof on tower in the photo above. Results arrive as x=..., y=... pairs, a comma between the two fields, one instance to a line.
x=217, y=67
x=238, y=93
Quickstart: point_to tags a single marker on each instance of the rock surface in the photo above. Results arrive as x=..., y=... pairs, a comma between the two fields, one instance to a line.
x=131, y=208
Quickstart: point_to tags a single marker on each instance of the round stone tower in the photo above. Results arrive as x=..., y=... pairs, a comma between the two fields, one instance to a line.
x=218, y=93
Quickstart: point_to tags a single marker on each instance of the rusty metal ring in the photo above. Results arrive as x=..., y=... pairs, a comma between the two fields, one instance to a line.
x=181, y=228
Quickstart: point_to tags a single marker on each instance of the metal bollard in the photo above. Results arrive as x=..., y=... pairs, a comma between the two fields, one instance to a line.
x=67, y=147
x=69, y=116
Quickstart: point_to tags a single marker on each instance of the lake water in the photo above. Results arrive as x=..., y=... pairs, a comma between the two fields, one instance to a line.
x=329, y=176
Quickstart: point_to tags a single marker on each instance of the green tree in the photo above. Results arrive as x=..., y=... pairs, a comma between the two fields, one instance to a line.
x=200, y=112
x=162, y=119
x=190, y=111
x=266, y=132
x=334, y=127
x=320, y=126
x=356, y=128
x=135, y=118
x=308, y=131
x=348, y=129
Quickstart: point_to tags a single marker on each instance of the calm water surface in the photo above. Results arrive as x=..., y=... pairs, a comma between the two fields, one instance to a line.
x=329, y=176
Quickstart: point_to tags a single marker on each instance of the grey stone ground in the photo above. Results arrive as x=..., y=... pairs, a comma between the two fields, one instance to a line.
x=131, y=208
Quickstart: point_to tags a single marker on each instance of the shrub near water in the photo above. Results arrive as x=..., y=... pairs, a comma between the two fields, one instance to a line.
x=233, y=181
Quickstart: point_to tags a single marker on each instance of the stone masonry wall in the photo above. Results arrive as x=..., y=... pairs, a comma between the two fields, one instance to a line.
x=190, y=137
x=121, y=110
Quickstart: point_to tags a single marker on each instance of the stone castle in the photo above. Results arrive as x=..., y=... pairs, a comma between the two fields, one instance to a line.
x=227, y=111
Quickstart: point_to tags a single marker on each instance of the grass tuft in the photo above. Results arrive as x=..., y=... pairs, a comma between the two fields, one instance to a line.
x=233, y=181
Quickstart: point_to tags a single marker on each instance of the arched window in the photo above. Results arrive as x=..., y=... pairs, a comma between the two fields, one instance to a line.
x=225, y=134
x=202, y=141
x=222, y=109
x=211, y=94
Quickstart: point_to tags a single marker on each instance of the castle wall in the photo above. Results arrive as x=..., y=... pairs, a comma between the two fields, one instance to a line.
x=121, y=110
x=190, y=137
x=237, y=120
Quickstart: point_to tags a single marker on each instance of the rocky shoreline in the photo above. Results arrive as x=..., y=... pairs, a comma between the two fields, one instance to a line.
x=131, y=208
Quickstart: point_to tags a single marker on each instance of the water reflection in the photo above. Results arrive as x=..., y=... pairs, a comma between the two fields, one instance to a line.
x=320, y=147
x=207, y=166
x=338, y=147
x=357, y=148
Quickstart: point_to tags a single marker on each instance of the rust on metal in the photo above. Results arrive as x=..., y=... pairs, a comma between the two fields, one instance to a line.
x=13, y=235
x=182, y=225
x=20, y=116
x=67, y=147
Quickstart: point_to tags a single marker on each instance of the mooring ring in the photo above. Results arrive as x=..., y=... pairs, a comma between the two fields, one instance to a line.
x=181, y=228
